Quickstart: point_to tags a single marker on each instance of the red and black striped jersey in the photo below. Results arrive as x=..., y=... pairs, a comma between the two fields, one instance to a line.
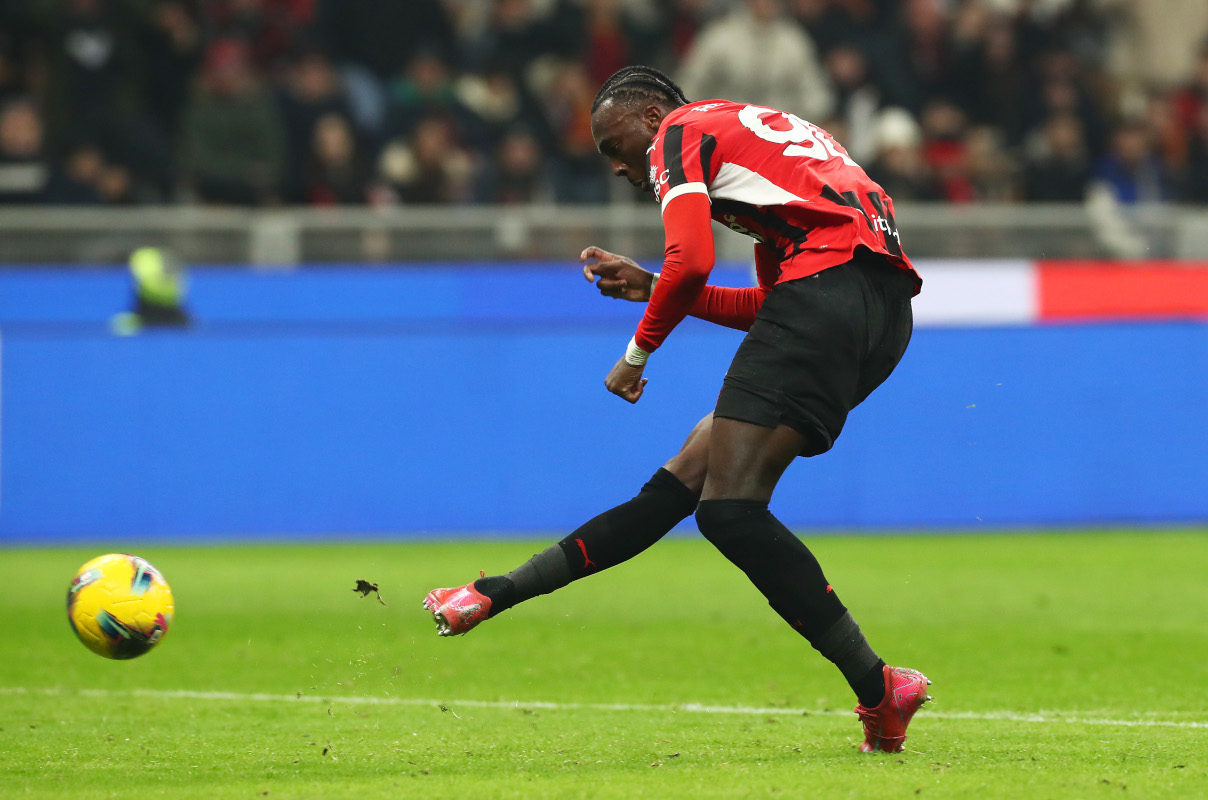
x=765, y=173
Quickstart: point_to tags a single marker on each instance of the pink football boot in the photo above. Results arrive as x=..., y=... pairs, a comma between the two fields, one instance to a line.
x=458, y=609
x=885, y=725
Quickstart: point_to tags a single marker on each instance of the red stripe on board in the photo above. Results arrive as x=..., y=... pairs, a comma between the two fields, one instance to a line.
x=1115, y=290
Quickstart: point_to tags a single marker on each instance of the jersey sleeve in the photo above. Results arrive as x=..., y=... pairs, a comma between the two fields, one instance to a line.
x=681, y=168
x=736, y=308
x=687, y=262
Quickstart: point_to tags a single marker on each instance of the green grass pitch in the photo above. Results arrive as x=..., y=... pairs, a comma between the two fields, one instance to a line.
x=1065, y=666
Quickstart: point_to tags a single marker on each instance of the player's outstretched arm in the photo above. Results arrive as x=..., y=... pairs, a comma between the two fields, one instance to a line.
x=620, y=277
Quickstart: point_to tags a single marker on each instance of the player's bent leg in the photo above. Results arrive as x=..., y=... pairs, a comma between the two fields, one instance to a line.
x=609, y=539
x=745, y=464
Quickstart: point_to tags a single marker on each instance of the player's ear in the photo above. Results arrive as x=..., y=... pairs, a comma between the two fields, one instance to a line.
x=652, y=117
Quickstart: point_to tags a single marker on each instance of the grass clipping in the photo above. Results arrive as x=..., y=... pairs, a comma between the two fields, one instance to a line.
x=365, y=587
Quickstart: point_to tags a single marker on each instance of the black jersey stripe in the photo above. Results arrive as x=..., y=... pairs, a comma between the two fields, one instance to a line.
x=707, y=145
x=850, y=200
x=673, y=148
x=891, y=240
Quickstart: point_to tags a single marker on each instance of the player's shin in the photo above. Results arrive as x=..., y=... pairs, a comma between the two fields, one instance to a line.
x=789, y=576
x=608, y=539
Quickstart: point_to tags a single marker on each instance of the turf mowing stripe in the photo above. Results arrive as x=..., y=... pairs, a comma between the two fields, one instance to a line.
x=1045, y=717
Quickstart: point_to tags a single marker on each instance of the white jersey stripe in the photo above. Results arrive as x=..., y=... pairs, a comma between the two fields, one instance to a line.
x=736, y=182
x=684, y=188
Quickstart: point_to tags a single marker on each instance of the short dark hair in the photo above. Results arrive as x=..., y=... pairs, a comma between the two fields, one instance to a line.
x=640, y=83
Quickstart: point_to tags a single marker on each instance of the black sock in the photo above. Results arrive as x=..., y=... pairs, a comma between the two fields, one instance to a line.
x=621, y=533
x=788, y=575
x=844, y=645
x=870, y=687
x=500, y=590
x=609, y=539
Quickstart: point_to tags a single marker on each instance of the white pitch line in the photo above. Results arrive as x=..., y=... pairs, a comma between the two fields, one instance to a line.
x=1041, y=717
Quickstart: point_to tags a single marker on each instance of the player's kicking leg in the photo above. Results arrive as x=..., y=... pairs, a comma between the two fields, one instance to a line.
x=611, y=538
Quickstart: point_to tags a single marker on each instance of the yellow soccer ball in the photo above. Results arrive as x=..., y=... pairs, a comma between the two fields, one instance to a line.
x=119, y=606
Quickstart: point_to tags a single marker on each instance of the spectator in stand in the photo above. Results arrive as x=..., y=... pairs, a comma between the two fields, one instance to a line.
x=1190, y=98
x=234, y=143
x=1151, y=42
x=89, y=178
x=681, y=24
x=579, y=174
x=171, y=45
x=756, y=54
x=336, y=172
x=1064, y=88
x=990, y=79
x=505, y=34
x=270, y=27
x=944, y=148
x=92, y=92
x=26, y=172
x=78, y=185
x=911, y=57
x=91, y=70
x=310, y=91
x=1195, y=184
x=1130, y=175
x=518, y=174
x=1132, y=171
x=595, y=31
x=429, y=166
x=900, y=166
x=371, y=41
x=382, y=36
x=1058, y=168
x=839, y=22
x=16, y=34
x=117, y=186
x=858, y=102
x=426, y=89
x=989, y=169
x=1168, y=135
x=604, y=35
x=494, y=105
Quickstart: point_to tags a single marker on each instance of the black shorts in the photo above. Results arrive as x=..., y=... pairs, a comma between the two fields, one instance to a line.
x=818, y=347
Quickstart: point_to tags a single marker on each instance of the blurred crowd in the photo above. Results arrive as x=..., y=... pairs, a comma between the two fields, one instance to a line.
x=381, y=102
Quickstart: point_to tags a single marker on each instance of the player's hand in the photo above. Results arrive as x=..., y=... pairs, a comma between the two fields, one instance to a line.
x=626, y=381
x=619, y=276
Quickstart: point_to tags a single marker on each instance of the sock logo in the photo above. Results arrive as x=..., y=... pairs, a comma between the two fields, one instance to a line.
x=829, y=588
x=587, y=562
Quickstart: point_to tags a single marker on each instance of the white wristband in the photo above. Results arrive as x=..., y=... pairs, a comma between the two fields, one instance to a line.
x=634, y=355
x=654, y=280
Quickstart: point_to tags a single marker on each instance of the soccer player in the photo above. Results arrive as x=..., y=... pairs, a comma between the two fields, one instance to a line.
x=828, y=322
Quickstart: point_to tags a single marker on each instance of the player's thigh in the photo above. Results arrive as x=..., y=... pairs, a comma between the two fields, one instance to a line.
x=799, y=363
x=746, y=460
x=691, y=463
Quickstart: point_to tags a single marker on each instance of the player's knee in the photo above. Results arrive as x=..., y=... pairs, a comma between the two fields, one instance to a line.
x=691, y=464
x=722, y=521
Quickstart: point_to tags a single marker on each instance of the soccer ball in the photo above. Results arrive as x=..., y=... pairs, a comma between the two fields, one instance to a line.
x=119, y=606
